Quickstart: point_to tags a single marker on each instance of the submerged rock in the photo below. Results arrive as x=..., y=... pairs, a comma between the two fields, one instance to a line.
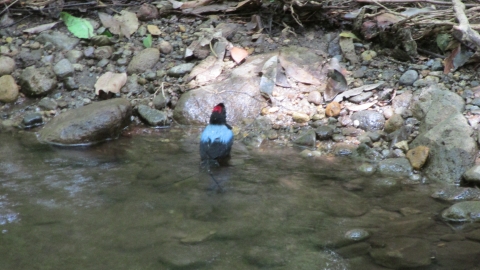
x=400, y=253
x=453, y=193
x=89, y=124
x=463, y=212
x=395, y=167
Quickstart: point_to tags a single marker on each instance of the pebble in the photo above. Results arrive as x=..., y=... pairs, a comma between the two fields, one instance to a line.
x=9, y=89
x=409, y=77
x=32, y=119
x=324, y=132
x=315, y=97
x=180, y=70
x=333, y=109
x=300, y=117
x=7, y=65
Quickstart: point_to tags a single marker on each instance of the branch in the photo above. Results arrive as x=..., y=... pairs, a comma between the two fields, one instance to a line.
x=411, y=1
x=463, y=26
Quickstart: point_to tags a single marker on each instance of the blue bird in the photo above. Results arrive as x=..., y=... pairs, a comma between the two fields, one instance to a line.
x=217, y=139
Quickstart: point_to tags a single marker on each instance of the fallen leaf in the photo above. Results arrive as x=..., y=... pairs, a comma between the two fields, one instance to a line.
x=153, y=29
x=124, y=24
x=357, y=91
x=147, y=41
x=348, y=34
x=336, y=83
x=456, y=59
x=110, y=82
x=356, y=108
x=40, y=28
x=238, y=54
x=79, y=27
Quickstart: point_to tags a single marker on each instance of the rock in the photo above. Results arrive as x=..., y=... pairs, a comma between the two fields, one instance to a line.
x=362, y=97
x=37, y=81
x=143, y=61
x=151, y=116
x=300, y=117
x=324, y=132
x=395, y=167
x=63, y=68
x=47, y=104
x=32, y=119
x=176, y=256
x=59, y=39
x=90, y=124
x=165, y=47
x=316, y=260
x=409, y=77
x=147, y=12
x=74, y=56
x=367, y=169
x=315, y=97
x=402, y=253
x=402, y=102
x=468, y=211
x=357, y=235
x=393, y=123
x=344, y=149
x=306, y=138
x=160, y=101
x=472, y=175
x=458, y=255
x=354, y=250
x=30, y=57
x=180, y=70
x=333, y=109
x=103, y=52
x=418, y=156
x=7, y=65
x=454, y=193
x=368, y=55
x=8, y=89
x=70, y=84
x=265, y=257
x=369, y=120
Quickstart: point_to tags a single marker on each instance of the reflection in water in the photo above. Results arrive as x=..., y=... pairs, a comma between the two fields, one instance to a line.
x=143, y=203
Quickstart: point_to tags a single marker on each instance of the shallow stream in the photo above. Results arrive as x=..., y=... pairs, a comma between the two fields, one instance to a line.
x=143, y=203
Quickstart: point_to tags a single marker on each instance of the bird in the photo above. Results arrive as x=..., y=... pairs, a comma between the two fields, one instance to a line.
x=217, y=139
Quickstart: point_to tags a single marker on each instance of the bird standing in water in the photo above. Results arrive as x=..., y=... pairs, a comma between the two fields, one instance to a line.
x=216, y=140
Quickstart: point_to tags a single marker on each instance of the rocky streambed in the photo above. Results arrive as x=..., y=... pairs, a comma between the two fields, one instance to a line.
x=406, y=120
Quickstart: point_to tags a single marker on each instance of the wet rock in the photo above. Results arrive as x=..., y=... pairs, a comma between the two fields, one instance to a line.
x=362, y=97
x=402, y=253
x=324, y=132
x=103, y=52
x=408, y=78
x=180, y=70
x=143, y=61
x=300, y=117
x=468, y=211
x=59, y=39
x=32, y=119
x=7, y=65
x=8, y=89
x=380, y=187
x=315, y=97
x=47, y=104
x=473, y=235
x=176, y=256
x=393, y=123
x=152, y=117
x=418, y=156
x=63, y=68
x=70, y=84
x=309, y=153
x=89, y=124
x=454, y=193
x=395, y=167
x=428, y=80
x=306, y=138
x=344, y=149
x=37, y=81
x=333, y=109
x=265, y=257
x=147, y=12
x=458, y=255
x=165, y=47
x=354, y=250
x=316, y=260
x=472, y=175
x=357, y=235
x=367, y=169
x=369, y=120
x=351, y=132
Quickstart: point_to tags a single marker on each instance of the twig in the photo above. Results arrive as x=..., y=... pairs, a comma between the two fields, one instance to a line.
x=464, y=27
x=6, y=8
x=411, y=1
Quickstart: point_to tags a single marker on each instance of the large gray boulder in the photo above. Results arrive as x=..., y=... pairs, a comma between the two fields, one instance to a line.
x=446, y=132
x=90, y=124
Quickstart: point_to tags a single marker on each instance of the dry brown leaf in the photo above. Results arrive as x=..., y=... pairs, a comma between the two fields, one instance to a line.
x=110, y=82
x=124, y=24
x=153, y=29
x=40, y=28
x=238, y=54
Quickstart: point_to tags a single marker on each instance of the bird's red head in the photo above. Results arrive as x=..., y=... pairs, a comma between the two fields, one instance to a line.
x=219, y=115
x=219, y=108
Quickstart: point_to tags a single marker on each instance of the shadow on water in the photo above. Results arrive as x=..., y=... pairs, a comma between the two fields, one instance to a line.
x=144, y=203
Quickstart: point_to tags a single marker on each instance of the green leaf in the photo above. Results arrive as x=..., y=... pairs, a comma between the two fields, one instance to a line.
x=107, y=33
x=147, y=41
x=79, y=27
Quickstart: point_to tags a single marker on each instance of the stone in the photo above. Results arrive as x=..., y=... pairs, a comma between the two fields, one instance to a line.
x=300, y=117
x=165, y=47
x=315, y=97
x=393, y=123
x=63, y=69
x=160, y=101
x=403, y=252
x=7, y=65
x=37, y=81
x=344, y=149
x=472, y=175
x=324, y=132
x=333, y=109
x=369, y=120
x=408, y=78
x=90, y=124
x=147, y=12
x=306, y=138
x=32, y=119
x=367, y=169
x=468, y=211
x=265, y=257
x=8, y=89
x=47, y=104
x=362, y=97
x=74, y=56
x=395, y=167
x=354, y=250
x=457, y=255
x=418, y=156
x=177, y=256
x=152, y=116
x=454, y=193
x=103, y=52
x=180, y=70
x=59, y=39
x=143, y=61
